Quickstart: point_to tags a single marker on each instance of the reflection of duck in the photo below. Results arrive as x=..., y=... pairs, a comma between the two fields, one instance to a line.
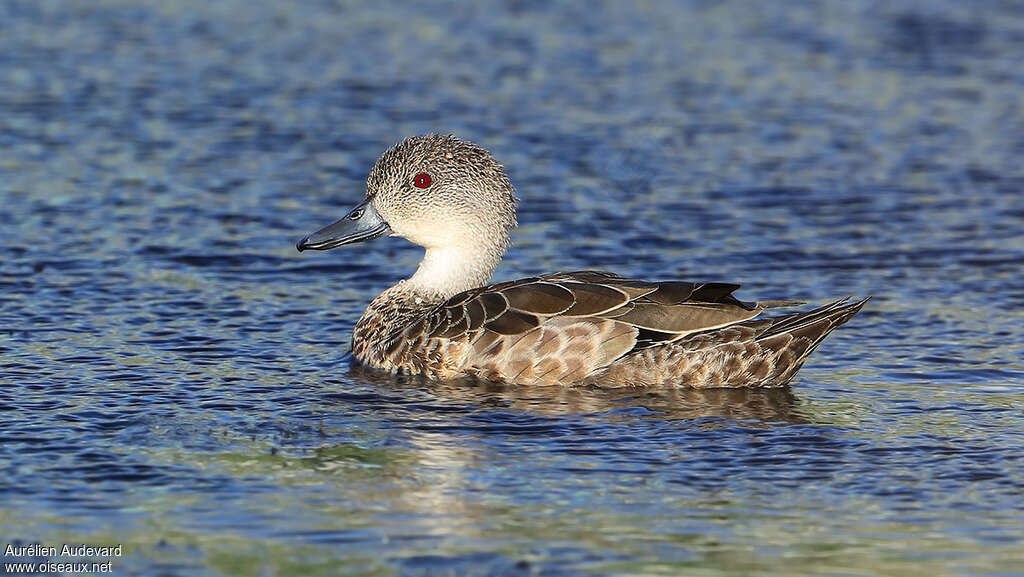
x=750, y=405
x=452, y=197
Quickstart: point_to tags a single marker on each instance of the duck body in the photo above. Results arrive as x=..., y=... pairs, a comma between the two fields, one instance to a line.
x=584, y=327
x=590, y=327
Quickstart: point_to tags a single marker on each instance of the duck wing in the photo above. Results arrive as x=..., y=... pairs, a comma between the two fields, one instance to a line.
x=560, y=327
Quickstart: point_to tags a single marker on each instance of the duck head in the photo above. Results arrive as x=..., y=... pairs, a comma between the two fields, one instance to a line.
x=447, y=195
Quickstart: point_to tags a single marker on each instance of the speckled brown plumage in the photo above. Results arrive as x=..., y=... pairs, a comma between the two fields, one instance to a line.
x=596, y=328
x=583, y=327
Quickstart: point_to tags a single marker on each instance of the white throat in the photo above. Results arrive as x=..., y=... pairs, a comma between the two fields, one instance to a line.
x=448, y=270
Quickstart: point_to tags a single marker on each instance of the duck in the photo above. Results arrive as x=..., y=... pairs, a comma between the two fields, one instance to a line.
x=580, y=328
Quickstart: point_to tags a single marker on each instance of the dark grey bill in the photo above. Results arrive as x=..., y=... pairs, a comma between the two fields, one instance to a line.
x=362, y=223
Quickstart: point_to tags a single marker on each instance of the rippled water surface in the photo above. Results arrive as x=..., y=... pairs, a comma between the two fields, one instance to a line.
x=174, y=378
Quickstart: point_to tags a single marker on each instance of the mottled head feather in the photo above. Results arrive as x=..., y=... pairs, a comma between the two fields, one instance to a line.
x=469, y=196
x=463, y=218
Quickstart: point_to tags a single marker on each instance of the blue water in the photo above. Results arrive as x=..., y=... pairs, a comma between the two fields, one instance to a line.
x=174, y=378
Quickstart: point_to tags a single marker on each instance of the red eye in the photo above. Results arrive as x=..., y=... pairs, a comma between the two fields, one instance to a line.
x=421, y=180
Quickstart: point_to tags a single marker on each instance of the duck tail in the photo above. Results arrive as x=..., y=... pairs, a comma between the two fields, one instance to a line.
x=795, y=336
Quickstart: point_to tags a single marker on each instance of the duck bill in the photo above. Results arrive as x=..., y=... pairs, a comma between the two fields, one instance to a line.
x=361, y=223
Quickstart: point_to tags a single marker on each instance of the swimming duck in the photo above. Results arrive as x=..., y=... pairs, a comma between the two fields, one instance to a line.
x=452, y=197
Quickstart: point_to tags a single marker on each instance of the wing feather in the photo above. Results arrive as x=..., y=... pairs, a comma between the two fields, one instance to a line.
x=539, y=297
x=593, y=299
x=512, y=322
x=563, y=326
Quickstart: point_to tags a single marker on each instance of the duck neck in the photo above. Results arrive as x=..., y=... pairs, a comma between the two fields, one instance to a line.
x=448, y=270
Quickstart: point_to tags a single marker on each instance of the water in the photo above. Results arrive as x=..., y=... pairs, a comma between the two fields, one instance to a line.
x=173, y=374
